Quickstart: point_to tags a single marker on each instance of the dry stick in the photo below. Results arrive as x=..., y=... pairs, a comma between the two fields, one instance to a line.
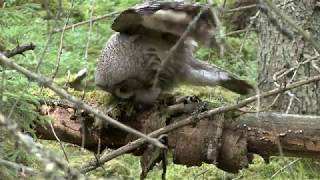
x=284, y=167
x=20, y=49
x=190, y=120
x=293, y=24
x=241, y=8
x=79, y=104
x=56, y=136
x=240, y=31
x=86, y=22
x=61, y=43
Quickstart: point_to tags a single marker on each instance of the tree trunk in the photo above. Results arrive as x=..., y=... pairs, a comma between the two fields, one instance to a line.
x=278, y=54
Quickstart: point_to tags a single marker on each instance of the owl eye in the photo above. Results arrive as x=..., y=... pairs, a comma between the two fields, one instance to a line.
x=124, y=92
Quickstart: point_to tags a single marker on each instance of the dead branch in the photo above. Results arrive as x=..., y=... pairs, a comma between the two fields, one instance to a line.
x=20, y=49
x=241, y=8
x=80, y=104
x=87, y=21
x=240, y=31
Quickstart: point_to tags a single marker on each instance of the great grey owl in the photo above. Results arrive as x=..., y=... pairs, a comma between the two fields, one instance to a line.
x=136, y=63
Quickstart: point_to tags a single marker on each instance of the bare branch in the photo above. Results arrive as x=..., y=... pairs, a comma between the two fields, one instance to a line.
x=284, y=167
x=240, y=31
x=241, y=8
x=19, y=50
x=80, y=104
x=87, y=22
x=61, y=43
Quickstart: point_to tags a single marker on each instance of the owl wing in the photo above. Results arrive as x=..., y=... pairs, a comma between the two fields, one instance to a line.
x=168, y=17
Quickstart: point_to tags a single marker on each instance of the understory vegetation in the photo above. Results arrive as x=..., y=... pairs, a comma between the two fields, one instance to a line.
x=23, y=21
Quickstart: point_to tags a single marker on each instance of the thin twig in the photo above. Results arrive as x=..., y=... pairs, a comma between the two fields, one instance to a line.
x=57, y=138
x=241, y=8
x=201, y=173
x=190, y=120
x=284, y=167
x=240, y=31
x=42, y=81
x=55, y=74
x=61, y=43
x=87, y=22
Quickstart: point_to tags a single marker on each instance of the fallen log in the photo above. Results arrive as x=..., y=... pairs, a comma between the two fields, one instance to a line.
x=227, y=140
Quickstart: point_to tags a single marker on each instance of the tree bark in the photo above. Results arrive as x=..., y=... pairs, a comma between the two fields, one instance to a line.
x=277, y=54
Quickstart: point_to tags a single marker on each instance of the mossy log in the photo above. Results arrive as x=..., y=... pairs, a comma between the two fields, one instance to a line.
x=227, y=140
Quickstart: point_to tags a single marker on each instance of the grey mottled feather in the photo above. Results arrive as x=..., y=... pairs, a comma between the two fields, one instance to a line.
x=131, y=62
x=168, y=17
